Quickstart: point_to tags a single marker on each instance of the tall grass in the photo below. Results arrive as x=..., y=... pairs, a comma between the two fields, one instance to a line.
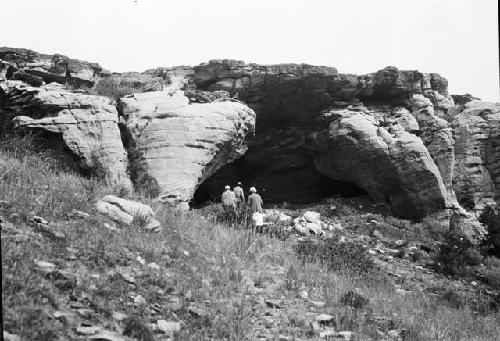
x=201, y=261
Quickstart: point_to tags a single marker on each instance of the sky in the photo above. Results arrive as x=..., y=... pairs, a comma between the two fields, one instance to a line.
x=455, y=38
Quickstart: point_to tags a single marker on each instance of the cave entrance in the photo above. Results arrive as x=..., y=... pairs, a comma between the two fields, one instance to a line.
x=301, y=185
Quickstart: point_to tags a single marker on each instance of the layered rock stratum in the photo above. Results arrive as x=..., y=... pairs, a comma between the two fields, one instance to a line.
x=175, y=145
x=298, y=132
x=87, y=126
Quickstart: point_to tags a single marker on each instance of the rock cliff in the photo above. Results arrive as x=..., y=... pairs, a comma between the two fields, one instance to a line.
x=49, y=68
x=298, y=132
x=393, y=167
x=176, y=145
x=85, y=124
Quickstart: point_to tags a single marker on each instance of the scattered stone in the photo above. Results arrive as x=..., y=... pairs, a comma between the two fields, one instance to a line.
x=346, y=335
x=317, y=304
x=304, y=294
x=127, y=277
x=328, y=333
x=110, y=227
x=271, y=303
x=197, y=311
x=40, y=220
x=312, y=217
x=117, y=316
x=45, y=265
x=10, y=337
x=154, y=266
x=123, y=211
x=140, y=260
x=139, y=300
x=107, y=335
x=324, y=318
x=174, y=303
x=79, y=214
x=86, y=330
x=168, y=327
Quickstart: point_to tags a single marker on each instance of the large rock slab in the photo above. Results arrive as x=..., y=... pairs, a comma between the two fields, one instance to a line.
x=477, y=151
x=175, y=145
x=86, y=125
x=126, y=211
x=394, y=168
x=51, y=68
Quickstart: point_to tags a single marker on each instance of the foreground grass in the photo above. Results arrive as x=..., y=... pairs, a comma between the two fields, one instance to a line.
x=202, y=265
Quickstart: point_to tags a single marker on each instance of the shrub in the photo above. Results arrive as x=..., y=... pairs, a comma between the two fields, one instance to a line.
x=135, y=327
x=455, y=253
x=491, y=219
x=337, y=255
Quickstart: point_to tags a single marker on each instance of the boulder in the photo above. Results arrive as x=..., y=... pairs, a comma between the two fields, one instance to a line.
x=466, y=224
x=395, y=169
x=125, y=211
x=175, y=145
x=52, y=68
x=85, y=125
x=311, y=217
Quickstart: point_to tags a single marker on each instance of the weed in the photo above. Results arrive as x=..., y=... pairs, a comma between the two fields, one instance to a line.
x=135, y=327
x=337, y=255
x=455, y=254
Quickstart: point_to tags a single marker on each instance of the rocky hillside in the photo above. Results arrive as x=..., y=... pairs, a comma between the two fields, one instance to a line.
x=298, y=132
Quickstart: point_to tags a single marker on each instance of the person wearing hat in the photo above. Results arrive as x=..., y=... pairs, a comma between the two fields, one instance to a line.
x=254, y=201
x=229, y=202
x=240, y=195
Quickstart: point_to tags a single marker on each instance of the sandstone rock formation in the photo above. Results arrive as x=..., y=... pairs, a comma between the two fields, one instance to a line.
x=126, y=211
x=175, y=145
x=477, y=151
x=87, y=125
x=287, y=100
x=394, y=134
x=50, y=68
x=394, y=168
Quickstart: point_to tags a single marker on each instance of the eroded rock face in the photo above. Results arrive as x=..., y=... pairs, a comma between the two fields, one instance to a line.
x=477, y=150
x=86, y=124
x=175, y=145
x=288, y=99
x=394, y=168
x=50, y=68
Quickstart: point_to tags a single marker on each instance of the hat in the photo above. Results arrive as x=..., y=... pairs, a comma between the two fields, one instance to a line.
x=227, y=187
x=252, y=189
x=239, y=183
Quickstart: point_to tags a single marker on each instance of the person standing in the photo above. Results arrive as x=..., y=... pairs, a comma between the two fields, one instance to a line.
x=229, y=203
x=254, y=201
x=255, y=210
x=239, y=193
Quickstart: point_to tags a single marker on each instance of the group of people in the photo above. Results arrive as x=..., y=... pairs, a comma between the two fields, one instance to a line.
x=233, y=201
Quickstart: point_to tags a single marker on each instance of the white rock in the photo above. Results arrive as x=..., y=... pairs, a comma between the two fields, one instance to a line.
x=86, y=330
x=139, y=299
x=346, y=335
x=323, y=318
x=45, y=265
x=183, y=143
x=154, y=266
x=168, y=326
x=314, y=228
x=312, y=217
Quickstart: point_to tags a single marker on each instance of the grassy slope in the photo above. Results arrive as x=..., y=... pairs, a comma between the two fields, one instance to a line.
x=212, y=279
